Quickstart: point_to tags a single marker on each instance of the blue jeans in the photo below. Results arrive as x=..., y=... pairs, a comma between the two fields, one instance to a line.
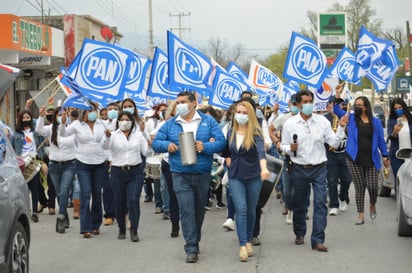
x=164, y=193
x=230, y=206
x=90, y=180
x=245, y=195
x=157, y=194
x=191, y=192
x=302, y=179
x=337, y=169
x=108, y=198
x=62, y=176
x=173, y=205
x=127, y=187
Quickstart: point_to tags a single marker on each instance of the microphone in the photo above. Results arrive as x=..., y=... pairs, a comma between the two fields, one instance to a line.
x=295, y=138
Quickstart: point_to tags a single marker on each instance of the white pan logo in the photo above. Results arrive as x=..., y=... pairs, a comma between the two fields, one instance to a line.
x=189, y=67
x=101, y=69
x=307, y=61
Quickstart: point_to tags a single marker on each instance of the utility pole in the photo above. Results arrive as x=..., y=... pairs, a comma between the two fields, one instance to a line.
x=180, y=28
x=151, y=43
x=408, y=46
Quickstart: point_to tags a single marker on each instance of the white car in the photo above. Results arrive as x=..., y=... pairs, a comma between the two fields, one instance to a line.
x=404, y=193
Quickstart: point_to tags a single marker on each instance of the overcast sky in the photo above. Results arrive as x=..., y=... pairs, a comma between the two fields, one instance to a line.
x=261, y=26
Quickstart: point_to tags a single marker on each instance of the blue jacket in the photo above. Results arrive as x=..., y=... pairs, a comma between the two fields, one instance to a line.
x=208, y=128
x=18, y=140
x=395, y=140
x=378, y=139
x=245, y=164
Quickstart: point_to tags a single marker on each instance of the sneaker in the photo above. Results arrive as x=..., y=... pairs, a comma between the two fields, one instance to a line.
x=256, y=241
x=148, y=199
x=108, y=221
x=289, y=217
x=166, y=216
x=333, y=212
x=220, y=205
x=209, y=205
x=158, y=210
x=343, y=206
x=229, y=224
x=35, y=218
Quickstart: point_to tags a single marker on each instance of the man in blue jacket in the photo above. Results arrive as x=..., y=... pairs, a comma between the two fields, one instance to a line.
x=190, y=182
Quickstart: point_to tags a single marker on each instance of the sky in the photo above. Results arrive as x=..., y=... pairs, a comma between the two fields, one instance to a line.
x=260, y=26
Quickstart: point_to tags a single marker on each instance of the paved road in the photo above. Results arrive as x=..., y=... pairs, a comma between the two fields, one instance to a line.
x=373, y=247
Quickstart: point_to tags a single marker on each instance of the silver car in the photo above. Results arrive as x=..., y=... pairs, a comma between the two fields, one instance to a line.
x=14, y=212
x=404, y=193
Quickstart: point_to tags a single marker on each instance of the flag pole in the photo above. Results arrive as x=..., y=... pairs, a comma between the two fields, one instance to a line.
x=44, y=88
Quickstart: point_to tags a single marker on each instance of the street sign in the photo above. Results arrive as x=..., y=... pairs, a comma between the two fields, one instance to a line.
x=403, y=84
x=332, y=30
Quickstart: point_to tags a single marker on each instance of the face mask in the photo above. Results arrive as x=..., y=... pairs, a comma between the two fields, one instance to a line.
x=92, y=116
x=112, y=114
x=49, y=118
x=125, y=125
x=162, y=114
x=129, y=109
x=74, y=113
x=345, y=109
x=358, y=111
x=59, y=120
x=307, y=109
x=294, y=109
x=182, y=109
x=241, y=118
x=26, y=123
x=399, y=112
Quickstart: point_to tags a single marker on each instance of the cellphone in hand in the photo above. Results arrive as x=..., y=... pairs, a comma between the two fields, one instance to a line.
x=399, y=121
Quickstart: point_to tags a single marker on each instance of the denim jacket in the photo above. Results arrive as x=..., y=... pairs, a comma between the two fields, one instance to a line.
x=18, y=140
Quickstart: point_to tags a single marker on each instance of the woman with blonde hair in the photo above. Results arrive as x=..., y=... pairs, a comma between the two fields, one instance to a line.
x=246, y=161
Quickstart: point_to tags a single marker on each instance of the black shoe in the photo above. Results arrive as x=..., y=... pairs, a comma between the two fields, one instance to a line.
x=60, y=224
x=360, y=222
x=220, y=205
x=122, y=234
x=175, y=230
x=35, y=218
x=148, y=199
x=166, y=216
x=66, y=221
x=373, y=214
x=133, y=236
x=191, y=258
x=256, y=241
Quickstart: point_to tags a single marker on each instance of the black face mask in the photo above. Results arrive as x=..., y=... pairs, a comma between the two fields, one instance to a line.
x=74, y=113
x=49, y=118
x=345, y=108
x=26, y=123
x=358, y=111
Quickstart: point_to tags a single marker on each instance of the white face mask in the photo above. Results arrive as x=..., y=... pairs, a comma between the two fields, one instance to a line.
x=182, y=109
x=125, y=125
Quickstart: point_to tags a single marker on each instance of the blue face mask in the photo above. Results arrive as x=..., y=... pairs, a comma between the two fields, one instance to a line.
x=399, y=112
x=307, y=109
x=182, y=109
x=241, y=118
x=294, y=109
x=112, y=114
x=92, y=116
x=129, y=109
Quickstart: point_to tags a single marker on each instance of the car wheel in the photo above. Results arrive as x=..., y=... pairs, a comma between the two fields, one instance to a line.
x=18, y=256
x=403, y=228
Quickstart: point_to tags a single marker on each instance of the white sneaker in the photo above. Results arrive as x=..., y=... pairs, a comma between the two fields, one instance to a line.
x=229, y=224
x=289, y=217
x=333, y=212
x=343, y=206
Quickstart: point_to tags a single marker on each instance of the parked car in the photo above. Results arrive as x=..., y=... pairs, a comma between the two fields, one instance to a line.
x=14, y=212
x=404, y=193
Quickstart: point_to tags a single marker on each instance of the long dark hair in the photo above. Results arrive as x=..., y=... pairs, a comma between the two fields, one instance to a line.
x=136, y=112
x=19, y=123
x=55, y=126
x=401, y=102
x=368, y=110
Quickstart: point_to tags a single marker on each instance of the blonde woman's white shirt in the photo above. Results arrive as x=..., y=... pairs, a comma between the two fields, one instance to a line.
x=66, y=149
x=126, y=151
x=89, y=143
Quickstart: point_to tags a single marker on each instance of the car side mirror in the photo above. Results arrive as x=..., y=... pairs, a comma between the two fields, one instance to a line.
x=404, y=153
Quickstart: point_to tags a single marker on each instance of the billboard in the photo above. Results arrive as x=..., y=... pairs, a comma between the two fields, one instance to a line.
x=332, y=30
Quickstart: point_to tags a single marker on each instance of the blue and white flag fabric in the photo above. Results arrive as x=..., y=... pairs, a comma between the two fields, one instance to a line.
x=369, y=50
x=226, y=90
x=75, y=98
x=135, y=76
x=159, y=77
x=188, y=67
x=235, y=71
x=384, y=69
x=264, y=79
x=305, y=62
x=289, y=88
x=344, y=65
x=323, y=93
x=102, y=71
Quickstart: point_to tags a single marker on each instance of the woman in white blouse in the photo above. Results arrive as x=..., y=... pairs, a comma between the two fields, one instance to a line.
x=126, y=145
x=61, y=164
x=90, y=167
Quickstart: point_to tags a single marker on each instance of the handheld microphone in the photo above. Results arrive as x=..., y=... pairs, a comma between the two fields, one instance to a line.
x=295, y=138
